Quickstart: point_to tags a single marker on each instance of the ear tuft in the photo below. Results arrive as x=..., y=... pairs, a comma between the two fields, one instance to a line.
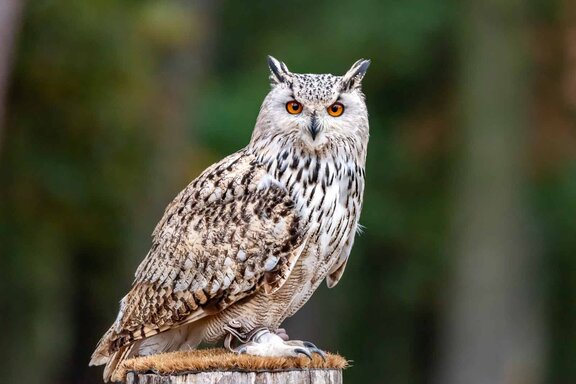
x=279, y=72
x=353, y=78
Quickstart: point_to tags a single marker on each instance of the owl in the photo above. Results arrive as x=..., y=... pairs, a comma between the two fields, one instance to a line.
x=247, y=243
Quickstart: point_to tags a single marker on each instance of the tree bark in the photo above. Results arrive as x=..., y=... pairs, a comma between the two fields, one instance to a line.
x=10, y=11
x=312, y=376
x=493, y=328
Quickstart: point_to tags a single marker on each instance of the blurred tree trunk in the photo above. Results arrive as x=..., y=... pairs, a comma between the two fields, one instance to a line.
x=10, y=11
x=492, y=330
x=569, y=81
x=177, y=38
x=172, y=108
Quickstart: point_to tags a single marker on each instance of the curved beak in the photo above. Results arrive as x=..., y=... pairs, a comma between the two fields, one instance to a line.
x=313, y=128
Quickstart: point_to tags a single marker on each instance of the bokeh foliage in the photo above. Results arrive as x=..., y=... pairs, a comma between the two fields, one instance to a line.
x=86, y=169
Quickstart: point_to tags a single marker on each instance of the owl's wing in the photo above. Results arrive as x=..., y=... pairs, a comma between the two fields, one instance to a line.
x=231, y=232
x=336, y=272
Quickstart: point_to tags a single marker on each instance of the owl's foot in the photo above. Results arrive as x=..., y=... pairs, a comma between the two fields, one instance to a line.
x=262, y=342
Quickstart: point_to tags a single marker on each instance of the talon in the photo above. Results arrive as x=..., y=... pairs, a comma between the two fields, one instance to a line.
x=314, y=349
x=261, y=341
x=310, y=347
x=319, y=352
x=303, y=351
x=308, y=344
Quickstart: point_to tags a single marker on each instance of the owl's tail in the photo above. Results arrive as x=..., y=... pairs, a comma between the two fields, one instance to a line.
x=102, y=355
x=111, y=370
x=185, y=337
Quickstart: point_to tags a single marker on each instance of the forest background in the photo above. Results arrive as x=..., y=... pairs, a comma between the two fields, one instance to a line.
x=466, y=271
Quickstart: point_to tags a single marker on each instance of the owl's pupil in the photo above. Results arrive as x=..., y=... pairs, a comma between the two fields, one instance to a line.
x=294, y=106
x=334, y=108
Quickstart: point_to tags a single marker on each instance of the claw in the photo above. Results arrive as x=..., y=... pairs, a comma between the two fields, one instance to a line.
x=303, y=351
x=261, y=341
x=310, y=345
x=314, y=349
x=319, y=352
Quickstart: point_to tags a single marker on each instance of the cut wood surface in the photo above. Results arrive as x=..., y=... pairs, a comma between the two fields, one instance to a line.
x=307, y=376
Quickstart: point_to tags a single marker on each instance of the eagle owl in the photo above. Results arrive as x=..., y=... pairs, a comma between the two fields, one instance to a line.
x=245, y=244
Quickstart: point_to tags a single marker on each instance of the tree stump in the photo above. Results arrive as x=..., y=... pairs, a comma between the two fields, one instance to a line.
x=211, y=366
x=311, y=376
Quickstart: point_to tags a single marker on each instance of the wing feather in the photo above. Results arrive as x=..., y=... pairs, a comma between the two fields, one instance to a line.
x=337, y=270
x=232, y=231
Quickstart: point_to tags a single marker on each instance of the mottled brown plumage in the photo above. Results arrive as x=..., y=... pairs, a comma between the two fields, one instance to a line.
x=246, y=243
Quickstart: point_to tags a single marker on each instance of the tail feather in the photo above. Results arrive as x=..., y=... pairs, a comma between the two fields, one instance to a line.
x=184, y=337
x=111, y=368
x=102, y=353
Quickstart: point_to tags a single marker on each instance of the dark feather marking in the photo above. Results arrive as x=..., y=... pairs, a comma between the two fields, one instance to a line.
x=314, y=175
x=299, y=175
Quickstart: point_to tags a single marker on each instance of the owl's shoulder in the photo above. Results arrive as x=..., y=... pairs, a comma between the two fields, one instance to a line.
x=229, y=181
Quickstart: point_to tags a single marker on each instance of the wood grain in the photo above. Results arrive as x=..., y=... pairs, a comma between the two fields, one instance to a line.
x=306, y=376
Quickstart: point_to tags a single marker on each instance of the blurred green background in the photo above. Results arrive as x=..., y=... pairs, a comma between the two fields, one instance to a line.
x=466, y=271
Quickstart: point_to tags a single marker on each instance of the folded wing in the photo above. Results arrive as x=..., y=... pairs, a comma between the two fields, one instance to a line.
x=231, y=232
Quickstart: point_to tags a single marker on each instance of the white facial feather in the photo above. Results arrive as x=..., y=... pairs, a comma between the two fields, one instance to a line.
x=316, y=93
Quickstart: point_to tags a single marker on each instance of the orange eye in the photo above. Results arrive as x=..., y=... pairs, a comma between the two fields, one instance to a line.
x=335, y=109
x=293, y=107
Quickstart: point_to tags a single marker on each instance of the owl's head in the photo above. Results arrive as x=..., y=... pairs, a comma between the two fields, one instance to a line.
x=314, y=109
